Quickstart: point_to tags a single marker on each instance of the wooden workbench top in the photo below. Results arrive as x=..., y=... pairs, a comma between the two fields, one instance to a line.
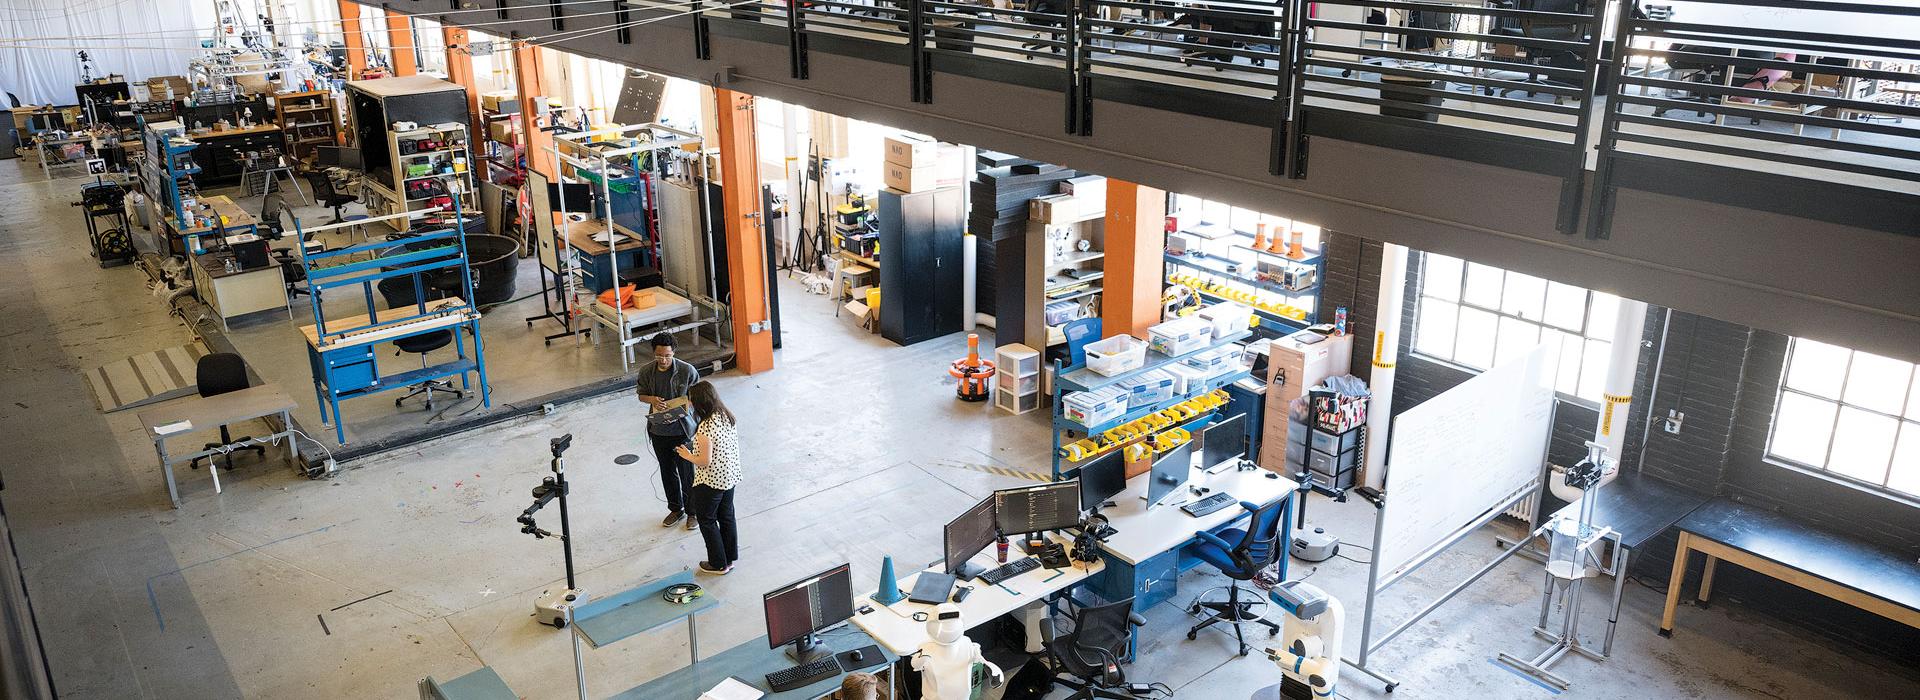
x=222, y=206
x=255, y=129
x=580, y=237
x=385, y=330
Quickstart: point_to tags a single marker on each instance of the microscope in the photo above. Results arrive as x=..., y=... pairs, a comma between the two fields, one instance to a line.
x=554, y=607
x=1310, y=661
x=946, y=661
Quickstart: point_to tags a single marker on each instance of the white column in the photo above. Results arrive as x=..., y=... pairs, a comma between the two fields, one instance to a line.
x=1386, y=352
x=1629, y=329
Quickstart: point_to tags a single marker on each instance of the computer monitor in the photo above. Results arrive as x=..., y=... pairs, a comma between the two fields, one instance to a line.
x=579, y=199
x=1029, y=509
x=1224, y=441
x=1169, y=472
x=335, y=156
x=1102, y=479
x=796, y=611
x=966, y=536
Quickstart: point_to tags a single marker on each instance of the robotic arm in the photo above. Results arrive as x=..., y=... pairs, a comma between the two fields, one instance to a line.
x=1309, y=661
x=550, y=488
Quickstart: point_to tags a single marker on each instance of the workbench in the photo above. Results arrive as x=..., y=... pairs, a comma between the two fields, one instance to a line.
x=186, y=415
x=237, y=221
x=895, y=630
x=1871, y=578
x=595, y=266
x=236, y=293
x=345, y=365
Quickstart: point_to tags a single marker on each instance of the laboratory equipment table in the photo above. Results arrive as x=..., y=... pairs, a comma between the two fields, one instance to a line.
x=185, y=415
x=344, y=365
x=595, y=265
x=641, y=609
x=238, y=292
x=1637, y=509
x=1145, y=552
x=894, y=628
x=1868, y=577
x=237, y=221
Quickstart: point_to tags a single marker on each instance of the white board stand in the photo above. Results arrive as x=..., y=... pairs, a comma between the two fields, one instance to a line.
x=1522, y=485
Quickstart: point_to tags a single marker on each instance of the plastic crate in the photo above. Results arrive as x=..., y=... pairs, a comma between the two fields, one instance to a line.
x=1116, y=355
x=1017, y=360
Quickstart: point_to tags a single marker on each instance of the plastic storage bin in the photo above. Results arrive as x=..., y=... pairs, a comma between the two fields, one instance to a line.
x=1116, y=355
x=1227, y=318
x=1094, y=407
x=1148, y=388
x=1180, y=336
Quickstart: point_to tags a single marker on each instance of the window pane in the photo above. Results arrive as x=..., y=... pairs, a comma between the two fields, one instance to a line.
x=1593, y=370
x=1906, y=461
x=1474, y=346
x=1801, y=428
x=1913, y=401
x=1862, y=444
x=1483, y=285
x=1817, y=368
x=1567, y=350
x=1441, y=280
x=1566, y=306
x=1605, y=308
x=1434, y=335
x=1878, y=383
x=1517, y=338
x=1523, y=296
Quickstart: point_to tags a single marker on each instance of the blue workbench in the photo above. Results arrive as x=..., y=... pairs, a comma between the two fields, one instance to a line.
x=622, y=615
x=750, y=662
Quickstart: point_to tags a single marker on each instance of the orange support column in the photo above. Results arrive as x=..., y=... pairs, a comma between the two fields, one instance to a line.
x=352, y=38
x=746, y=243
x=400, y=37
x=533, y=103
x=460, y=71
x=1136, y=258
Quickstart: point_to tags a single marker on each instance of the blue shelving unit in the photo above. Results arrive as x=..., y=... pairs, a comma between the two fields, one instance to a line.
x=342, y=350
x=1240, y=246
x=1080, y=378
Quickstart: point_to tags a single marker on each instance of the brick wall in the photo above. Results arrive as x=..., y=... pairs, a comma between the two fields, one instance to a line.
x=1724, y=378
x=1353, y=281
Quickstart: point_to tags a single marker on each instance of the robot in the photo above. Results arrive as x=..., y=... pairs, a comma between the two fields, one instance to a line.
x=1310, y=660
x=946, y=661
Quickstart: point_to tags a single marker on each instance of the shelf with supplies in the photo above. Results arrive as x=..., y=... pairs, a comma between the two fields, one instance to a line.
x=309, y=119
x=1066, y=260
x=1081, y=378
x=1254, y=275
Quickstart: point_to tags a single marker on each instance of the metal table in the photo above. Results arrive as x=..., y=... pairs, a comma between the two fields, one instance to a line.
x=186, y=415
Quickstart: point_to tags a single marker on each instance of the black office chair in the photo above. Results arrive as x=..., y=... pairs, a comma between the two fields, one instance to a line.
x=327, y=196
x=1256, y=549
x=421, y=345
x=1543, y=28
x=1049, y=7
x=1087, y=660
x=271, y=208
x=217, y=374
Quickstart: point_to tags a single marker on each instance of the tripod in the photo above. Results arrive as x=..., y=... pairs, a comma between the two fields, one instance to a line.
x=554, y=608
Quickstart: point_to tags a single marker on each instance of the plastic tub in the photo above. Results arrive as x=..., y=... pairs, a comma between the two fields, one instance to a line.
x=1116, y=355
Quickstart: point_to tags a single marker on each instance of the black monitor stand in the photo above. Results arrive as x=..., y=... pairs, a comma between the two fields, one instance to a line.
x=968, y=571
x=808, y=649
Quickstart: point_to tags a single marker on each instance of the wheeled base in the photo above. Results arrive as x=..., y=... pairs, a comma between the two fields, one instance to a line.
x=427, y=388
x=555, y=607
x=1232, y=611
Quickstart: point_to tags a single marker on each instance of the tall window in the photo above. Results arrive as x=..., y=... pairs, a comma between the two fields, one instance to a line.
x=1851, y=414
x=1479, y=317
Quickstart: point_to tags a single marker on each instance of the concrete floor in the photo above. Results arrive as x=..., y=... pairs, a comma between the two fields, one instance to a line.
x=854, y=448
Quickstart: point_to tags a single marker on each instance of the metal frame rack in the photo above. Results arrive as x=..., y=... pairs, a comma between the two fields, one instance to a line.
x=662, y=148
x=1233, y=274
x=342, y=353
x=1080, y=378
x=169, y=161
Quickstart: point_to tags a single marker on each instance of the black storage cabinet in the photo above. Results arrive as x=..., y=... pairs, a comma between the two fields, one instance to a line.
x=921, y=235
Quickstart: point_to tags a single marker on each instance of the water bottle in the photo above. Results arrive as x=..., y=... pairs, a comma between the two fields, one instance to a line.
x=1000, y=549
x=1340, y=321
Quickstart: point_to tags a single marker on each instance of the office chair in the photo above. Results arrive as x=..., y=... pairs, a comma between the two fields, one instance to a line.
x=1543, y=29
x=1087, y=660
x=1048, y=7
x=1258, y=546
x=1079, y=332
x=421, y=345
x=327, y=196
x=271, y=207
x=217, y=374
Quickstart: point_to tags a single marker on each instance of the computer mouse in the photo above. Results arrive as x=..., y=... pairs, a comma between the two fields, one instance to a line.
x=857, y=656
x=1272, y=475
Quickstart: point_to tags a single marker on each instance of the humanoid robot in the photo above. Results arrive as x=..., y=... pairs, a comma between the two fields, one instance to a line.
x=1309, y=659
x=945, y=662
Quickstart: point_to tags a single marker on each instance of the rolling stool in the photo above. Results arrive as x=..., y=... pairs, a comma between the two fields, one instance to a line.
x=217, y=374
x=421, y=345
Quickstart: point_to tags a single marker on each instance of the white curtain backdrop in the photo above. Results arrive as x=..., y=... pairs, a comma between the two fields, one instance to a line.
x=40, y=39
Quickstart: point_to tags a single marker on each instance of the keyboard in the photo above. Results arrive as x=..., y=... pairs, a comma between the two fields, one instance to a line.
x=803, y=675
x=1010, y=570
x=1208, y=505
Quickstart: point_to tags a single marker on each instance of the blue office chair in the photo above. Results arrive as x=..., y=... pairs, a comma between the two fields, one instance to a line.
x=1079, y=332
x=1256, y=548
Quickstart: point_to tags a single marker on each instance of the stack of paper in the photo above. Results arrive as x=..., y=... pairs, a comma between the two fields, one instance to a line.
x=732, y=689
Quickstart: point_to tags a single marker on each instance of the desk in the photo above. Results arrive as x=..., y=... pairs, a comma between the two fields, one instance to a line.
x=212, y=411
x=53, y=153
x=1638, y=509
x=1143, y=555
x=750, y=662
x=240, y=292
x=633, y=611
x=595, y=266
x=893, y=627
x=1867, y=577
x=483, y=684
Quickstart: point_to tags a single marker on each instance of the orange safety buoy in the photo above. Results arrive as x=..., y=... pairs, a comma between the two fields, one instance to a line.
x=972, y=371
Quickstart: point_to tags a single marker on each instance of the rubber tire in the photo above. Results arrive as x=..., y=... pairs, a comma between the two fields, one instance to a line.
x=560, y=623
x=1191, y=635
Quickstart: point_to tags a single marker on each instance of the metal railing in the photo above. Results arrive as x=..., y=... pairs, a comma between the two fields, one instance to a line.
x=1540, y=81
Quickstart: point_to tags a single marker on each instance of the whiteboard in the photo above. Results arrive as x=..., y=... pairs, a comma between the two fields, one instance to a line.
x=1463, y=453
x=545, y=241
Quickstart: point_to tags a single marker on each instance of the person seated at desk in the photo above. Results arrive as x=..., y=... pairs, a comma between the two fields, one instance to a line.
x=858, y=685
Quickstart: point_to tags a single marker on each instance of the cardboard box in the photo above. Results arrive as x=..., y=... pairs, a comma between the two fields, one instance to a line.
x=1088, y=187
x=1054, y=208
x=502, y=101
x=942, y=170
x=911, y=151
x=502, y=131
